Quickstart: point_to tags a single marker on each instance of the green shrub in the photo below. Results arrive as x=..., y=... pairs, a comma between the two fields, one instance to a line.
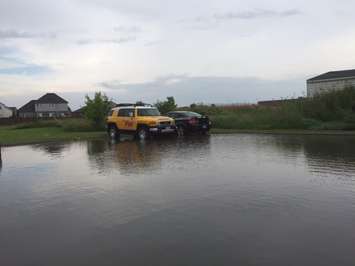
x=72, y=125
x=38, y=124
x=96, y=109
x=260, y=118
x=333, y=110
x=166, y=106
x=77, y=125
x=331, y=106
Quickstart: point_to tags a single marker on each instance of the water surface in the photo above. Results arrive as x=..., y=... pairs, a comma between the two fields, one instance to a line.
x=220, y=200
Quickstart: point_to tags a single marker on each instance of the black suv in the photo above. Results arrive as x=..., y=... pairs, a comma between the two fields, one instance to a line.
x=188, y=122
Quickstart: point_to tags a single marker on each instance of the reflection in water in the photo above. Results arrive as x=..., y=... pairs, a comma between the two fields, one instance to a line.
x=224, y=200
x=54, y=149
x=323, y=154
x=138, y=156
x=331, y=155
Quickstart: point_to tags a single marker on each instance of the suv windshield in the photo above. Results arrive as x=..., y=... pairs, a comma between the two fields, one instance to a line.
x=192, y=114
x=148, y=112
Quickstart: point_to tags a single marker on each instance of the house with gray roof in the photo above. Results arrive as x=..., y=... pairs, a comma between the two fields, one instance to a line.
x=49, y=105
x=330, y=81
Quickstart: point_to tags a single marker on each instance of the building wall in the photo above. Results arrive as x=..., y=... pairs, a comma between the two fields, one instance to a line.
x=52, y=110
x=47, y=107
x=52, y=114
x=26, y=115
x=5, y=112
x=322, y=86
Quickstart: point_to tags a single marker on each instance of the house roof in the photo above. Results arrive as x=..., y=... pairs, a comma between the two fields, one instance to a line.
x=335, y=75
x=51, y=98
x=28, y=107
x=47, y=98
x=80, y=110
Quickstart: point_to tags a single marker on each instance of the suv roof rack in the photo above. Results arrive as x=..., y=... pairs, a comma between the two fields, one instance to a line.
x=133, y=104
x=124, y=104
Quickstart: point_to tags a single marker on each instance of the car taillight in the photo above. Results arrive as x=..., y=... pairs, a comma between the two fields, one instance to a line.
x=193, y=121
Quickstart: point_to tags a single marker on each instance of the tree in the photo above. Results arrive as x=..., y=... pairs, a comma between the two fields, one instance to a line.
x=96, y=109
x=166, y=106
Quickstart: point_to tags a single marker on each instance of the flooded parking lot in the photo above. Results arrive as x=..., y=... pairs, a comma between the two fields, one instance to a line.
x=219, y=200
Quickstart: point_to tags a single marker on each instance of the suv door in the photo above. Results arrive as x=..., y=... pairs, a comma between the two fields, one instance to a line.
x=127, y=119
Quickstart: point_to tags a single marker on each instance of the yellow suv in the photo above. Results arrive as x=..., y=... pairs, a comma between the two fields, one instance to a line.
x=141, y=120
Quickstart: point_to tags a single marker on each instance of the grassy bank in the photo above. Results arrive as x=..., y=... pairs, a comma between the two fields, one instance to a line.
x=46, y=131
x=331, y=111
x=29, y=135
x=284, y=131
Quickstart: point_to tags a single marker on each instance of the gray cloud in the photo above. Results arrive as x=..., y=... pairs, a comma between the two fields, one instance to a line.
x=153, y=43
x=208, y=89
x=27, y=70
x=107, y=41
x=256, y=13
x=128, y=29
x=14, y=65
x=112, y=84
x=15, y=34
x=212, y=21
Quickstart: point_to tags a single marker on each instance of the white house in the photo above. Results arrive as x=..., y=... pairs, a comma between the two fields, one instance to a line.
x=330, y=81
x=5, y=112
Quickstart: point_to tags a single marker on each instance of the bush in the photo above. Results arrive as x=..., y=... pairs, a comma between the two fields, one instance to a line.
x=96, y=109
x=166, y=106
x=72, y=125
x=77, y=125
x=335, y=105
x=333, y=110
x=39, y=124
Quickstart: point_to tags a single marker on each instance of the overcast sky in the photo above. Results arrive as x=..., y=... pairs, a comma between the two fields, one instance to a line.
x=214, y=51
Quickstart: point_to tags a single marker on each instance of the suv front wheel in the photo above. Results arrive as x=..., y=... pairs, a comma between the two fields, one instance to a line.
x=143, y=133
x=113, y=132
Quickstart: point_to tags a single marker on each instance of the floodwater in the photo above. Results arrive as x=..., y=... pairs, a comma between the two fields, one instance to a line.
x=219, y=200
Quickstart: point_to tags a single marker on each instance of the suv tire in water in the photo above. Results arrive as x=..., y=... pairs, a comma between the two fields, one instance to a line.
x=113, y=132
x=142, y=133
